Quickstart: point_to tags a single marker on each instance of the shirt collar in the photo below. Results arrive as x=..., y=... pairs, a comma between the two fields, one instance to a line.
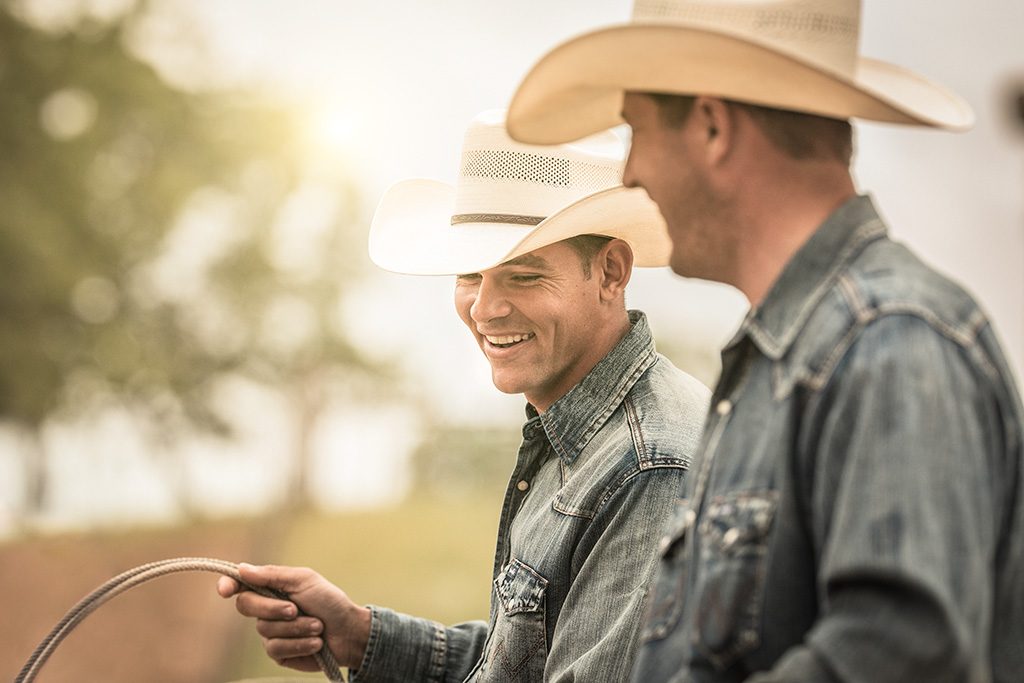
x=808, y=275
x=573, y=420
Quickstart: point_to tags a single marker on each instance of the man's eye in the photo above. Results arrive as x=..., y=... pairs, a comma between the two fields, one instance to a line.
x=525, y=278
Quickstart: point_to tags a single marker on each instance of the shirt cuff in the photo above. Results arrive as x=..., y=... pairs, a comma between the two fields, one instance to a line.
x=402, y=648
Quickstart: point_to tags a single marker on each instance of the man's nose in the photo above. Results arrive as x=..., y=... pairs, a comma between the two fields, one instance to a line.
x=491, y=302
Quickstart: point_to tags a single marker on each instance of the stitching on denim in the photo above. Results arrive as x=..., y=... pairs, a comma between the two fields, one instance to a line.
x=641, y=366
x=502, y=655
x=438, y=654
x=867, y=232
x=965, y=337
x=633, y=422
x=614, y=487
x=371, y=643
x=748, y=635
x=664, y=615
x=535, y=581
x=572, y=511
x=500, y=652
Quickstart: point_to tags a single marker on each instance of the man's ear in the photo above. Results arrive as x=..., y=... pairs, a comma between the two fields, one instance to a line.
x=614, y=266
x=716, y=126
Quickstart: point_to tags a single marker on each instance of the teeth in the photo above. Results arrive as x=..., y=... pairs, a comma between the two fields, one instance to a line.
x=508, y=339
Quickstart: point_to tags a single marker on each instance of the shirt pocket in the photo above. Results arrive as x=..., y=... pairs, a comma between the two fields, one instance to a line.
x=518, y=642
x=734, y=533
x=665, y=603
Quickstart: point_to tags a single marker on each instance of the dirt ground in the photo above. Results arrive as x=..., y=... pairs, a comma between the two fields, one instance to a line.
x=174, y=628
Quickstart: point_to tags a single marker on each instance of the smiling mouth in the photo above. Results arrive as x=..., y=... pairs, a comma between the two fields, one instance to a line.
x=508, y=341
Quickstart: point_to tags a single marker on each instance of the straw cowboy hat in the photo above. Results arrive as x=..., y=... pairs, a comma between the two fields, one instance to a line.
x=510, y=199
x=789, y=54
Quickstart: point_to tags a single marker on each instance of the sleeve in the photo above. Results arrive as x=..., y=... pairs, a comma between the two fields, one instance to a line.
x=403, y=648
x=596, y=635
x=904, y=513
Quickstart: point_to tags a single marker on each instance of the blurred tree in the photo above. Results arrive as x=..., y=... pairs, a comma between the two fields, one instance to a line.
x=148, y=243
x=458, y=460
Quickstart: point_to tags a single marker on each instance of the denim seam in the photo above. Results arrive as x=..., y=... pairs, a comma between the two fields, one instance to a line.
x=571, y=511
x=632, y=375
x=964, y=336
x=642, y=364
x=633, y=422
x=371, y=643
x=965, y=339
x=507, y=578
x=438, y=654
x=748, y=636
x=775, y=348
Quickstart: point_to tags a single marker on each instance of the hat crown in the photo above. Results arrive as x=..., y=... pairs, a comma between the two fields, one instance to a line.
x=501, y=177
x=825, y=32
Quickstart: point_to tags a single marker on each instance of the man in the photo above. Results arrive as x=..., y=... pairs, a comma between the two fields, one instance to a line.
x=544, y=241
x=857, y=511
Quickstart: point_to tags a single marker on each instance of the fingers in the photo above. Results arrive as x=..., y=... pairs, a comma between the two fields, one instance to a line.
x=303, y=627
x=226, y=587
x=305, y=663
x=250, y=604
x=283, y=649
x=287, y=579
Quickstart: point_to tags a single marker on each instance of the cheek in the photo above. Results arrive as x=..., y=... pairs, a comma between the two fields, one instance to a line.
x=463, y=303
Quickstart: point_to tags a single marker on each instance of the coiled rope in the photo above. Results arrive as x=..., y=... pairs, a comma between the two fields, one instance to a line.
x=141, y=574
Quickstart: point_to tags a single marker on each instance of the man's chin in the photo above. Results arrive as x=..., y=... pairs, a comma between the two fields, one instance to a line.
x=506, y=385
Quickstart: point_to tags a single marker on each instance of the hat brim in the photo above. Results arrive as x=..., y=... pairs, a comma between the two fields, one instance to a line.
x=576, y=88
x=412, y=233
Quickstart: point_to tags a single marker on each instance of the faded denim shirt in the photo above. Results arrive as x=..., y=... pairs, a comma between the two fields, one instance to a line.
x=856, y=514
x=596, y=477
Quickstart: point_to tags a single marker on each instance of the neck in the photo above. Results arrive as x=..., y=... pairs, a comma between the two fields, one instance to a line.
x=607, y=335
x=782, y=212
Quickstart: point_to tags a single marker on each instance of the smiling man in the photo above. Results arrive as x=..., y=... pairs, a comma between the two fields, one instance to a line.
x=543, y=242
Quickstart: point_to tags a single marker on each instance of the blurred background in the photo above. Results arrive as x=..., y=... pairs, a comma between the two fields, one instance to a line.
x=196, y=357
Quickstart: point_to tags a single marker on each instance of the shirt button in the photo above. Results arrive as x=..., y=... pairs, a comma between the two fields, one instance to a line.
x=724, y=407
x=523, y=485
x=664, y=543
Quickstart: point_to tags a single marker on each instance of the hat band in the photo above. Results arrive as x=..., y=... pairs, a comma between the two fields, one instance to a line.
x=514, y=218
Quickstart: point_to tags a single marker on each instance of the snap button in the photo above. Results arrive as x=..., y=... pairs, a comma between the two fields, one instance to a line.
x=523, y=485
x=724, y=407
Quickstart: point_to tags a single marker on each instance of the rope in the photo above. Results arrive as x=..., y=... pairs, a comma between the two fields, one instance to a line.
x=139, y=575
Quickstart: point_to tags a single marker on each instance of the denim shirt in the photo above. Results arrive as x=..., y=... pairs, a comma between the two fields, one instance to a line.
x=596, y=477
x=857, y=510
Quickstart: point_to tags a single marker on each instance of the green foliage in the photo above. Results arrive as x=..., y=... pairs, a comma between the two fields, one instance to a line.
x=100, y=158
x=456, y=460
x=141, y=238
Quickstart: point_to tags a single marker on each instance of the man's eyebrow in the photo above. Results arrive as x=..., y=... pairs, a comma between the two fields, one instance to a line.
x=528, y=261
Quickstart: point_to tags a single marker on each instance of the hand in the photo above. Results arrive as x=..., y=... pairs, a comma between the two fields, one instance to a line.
x=291, y=640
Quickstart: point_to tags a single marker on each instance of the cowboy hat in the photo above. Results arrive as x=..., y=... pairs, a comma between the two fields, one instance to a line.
x=786, y=54
x=510, y=199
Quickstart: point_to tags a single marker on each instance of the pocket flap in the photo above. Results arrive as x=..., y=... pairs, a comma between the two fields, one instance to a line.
x=520, y=588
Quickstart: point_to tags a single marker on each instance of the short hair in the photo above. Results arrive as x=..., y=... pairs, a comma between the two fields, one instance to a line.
x=586, y=247
x=799, y=135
